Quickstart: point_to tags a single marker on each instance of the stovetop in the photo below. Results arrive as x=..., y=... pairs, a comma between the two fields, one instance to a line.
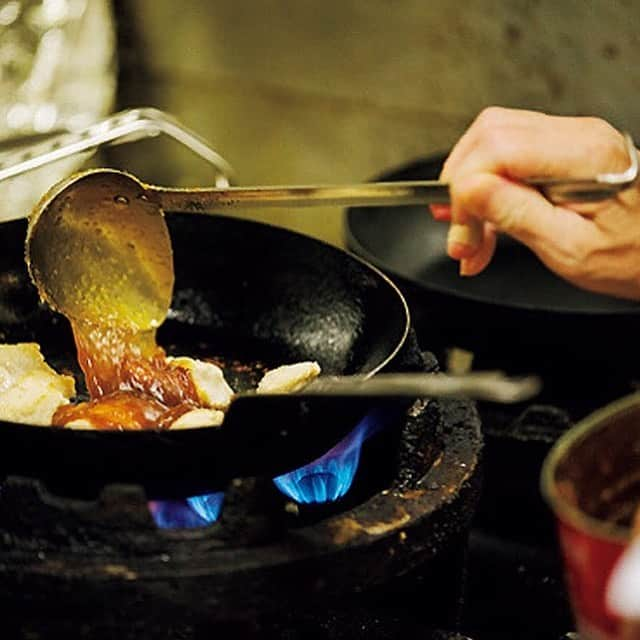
x=511, y=590
x=514, y=590
x=503, y=582
x=512, y=586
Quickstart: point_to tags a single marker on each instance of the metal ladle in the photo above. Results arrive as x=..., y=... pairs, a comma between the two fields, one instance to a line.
x=98, y=246
x=98, y=250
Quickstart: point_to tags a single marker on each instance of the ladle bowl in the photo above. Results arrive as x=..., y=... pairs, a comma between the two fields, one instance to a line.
x=99, y=251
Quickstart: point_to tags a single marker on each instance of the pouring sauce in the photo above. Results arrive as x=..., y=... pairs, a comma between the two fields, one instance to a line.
x=130, y=383
x=99, y=252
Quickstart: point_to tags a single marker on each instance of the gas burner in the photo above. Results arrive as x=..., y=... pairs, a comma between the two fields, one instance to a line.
x=322, y=481
x=241, y=562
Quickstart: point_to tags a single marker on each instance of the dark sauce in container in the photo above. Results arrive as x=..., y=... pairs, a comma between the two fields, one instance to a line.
x=600, y=474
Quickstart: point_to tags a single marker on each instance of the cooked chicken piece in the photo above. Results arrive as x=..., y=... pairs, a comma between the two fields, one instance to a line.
x=191, y=419
x=289, y=378
x=213, y=390
x=198, y=418
x=30, y=390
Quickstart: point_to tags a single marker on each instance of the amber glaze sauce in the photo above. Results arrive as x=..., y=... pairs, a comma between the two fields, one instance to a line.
x=130, y=383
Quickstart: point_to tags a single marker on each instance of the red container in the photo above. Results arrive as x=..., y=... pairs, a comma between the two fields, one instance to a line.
x=591, y=479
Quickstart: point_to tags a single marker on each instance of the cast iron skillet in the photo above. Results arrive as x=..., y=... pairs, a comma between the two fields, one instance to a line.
x=516, y=303
x=244, y=291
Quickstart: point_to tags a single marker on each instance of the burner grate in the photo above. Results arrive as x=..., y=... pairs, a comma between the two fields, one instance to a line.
x=234, y=575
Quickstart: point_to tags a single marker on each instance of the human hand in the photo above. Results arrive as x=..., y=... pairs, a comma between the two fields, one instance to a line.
x=595, y=246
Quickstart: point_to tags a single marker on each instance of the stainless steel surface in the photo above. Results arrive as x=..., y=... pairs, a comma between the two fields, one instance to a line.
x=372, y=194
x=483, y=385
x=134, y=124
x=196, y=200
x=127, y=126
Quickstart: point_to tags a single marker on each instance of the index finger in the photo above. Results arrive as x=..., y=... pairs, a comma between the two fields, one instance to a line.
x=525, y=145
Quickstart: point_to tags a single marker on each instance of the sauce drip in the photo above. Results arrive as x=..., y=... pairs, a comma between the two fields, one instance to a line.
x=130, y=383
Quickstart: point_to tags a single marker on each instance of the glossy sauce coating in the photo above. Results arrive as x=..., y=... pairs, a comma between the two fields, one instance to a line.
x=130, y=384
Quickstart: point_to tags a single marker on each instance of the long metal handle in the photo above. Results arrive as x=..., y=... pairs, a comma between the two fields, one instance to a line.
x=134, y=124
x=419, y=192
x=367, y=195
x=486, y=385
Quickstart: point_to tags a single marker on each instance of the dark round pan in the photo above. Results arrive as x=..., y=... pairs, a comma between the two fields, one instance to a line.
x=409, y=242
x=517, y=308
x=245, y=292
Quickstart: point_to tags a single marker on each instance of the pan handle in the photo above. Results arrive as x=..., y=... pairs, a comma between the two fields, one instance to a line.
x=490, y=386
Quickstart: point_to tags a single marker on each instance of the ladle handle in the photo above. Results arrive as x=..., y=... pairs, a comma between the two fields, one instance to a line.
x=367, y=195
x=134, y=124
x=419, y=192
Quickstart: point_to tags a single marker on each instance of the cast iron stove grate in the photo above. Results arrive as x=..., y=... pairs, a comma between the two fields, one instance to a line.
x=101, y=568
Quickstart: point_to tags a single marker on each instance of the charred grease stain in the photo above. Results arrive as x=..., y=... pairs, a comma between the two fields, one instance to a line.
x=413, y=494
x=346, y=529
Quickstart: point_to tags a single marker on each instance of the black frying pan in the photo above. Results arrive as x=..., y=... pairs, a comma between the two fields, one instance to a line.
x=517, y=303
x=245, y=292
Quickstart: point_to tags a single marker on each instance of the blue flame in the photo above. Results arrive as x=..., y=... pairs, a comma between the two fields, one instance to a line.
x=207, y=506
x=197, y=511
x=330, y=476
x=324, y=480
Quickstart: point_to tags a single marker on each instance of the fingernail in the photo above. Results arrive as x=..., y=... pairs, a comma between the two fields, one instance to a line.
x=440, y=211
x=465, y=268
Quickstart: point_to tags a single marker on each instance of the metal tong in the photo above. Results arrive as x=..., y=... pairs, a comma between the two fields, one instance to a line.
x=135, y=124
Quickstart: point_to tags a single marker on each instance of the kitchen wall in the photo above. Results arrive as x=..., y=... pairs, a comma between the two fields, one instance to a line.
x=340, y=90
